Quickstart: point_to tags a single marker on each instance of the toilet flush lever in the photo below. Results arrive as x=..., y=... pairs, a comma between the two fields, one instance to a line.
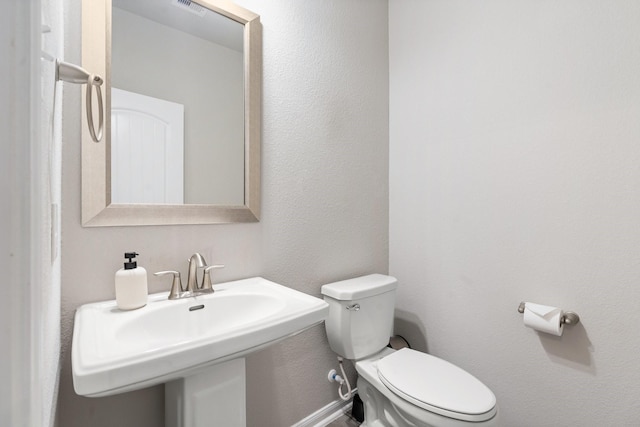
x=353, y=307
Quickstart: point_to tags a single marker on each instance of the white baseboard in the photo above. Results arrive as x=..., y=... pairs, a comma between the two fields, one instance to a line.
x=323, y=416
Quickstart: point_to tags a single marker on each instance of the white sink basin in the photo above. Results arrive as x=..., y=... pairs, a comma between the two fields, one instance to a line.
x=116, y=351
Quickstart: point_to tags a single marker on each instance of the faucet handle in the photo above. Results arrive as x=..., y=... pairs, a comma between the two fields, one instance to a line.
x=176, y=285
x=206, y=279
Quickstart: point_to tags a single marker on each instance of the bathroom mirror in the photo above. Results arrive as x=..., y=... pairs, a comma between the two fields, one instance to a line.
x=182, y=123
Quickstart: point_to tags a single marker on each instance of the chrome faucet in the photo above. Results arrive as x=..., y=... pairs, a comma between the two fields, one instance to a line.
x=193, y=287
x=196, y=261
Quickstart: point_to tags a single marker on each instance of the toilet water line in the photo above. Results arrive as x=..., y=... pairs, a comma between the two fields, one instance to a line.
x=345, y=380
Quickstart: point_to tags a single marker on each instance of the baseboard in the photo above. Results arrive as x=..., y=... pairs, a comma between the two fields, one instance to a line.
x=323, y=416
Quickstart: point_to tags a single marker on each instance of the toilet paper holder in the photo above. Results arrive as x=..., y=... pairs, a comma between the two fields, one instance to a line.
x=568, y=317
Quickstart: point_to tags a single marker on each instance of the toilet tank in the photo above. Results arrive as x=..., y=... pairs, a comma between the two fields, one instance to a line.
x=360, y=319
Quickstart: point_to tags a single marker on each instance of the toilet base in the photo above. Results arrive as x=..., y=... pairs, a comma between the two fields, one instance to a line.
x=378, y=410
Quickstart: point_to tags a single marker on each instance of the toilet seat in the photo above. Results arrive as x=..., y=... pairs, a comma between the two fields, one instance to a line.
x=436, y=385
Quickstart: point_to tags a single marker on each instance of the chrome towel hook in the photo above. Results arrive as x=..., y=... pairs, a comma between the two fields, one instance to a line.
x=74, y=74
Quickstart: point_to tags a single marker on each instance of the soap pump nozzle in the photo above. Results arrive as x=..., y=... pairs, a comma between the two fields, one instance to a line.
x=132, y=263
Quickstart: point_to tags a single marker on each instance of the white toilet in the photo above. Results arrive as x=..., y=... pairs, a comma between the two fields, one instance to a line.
x=405, y=387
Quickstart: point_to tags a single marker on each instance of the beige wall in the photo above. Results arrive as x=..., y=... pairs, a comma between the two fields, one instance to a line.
x=325, y=205
x=514, y=176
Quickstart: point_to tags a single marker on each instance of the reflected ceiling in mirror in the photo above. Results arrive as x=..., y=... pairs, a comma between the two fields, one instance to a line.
x=183, y=134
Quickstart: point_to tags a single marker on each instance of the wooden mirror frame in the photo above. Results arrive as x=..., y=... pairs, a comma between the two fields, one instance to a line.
x=97, y=209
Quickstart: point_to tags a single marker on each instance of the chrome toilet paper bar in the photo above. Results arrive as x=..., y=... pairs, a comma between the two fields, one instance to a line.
x=568, y=317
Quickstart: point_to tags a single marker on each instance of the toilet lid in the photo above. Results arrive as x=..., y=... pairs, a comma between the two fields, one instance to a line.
x=436, y=385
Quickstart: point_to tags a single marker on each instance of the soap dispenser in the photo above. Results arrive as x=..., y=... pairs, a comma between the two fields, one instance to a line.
x=131, y=284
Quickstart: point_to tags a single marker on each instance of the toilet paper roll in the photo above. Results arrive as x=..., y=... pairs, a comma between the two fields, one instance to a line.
x=543, y=318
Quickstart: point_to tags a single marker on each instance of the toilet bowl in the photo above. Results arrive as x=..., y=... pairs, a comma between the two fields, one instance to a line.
x=402, y=388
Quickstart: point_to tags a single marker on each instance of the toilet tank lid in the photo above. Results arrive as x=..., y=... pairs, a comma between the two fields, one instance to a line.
x=360, y=287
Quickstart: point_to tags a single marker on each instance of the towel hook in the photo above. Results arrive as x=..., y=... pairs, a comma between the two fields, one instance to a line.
x=74, y=74
x=568, y=317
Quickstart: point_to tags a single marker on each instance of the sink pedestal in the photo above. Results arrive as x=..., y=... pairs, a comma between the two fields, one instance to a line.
x=213, y=396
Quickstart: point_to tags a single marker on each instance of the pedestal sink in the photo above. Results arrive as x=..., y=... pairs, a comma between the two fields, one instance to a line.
x=195, y=345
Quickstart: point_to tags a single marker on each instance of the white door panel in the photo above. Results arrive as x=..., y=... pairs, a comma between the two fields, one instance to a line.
x=147, y=149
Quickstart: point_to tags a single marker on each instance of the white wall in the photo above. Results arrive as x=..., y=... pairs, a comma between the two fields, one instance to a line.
x=30, y=261
x=19, y=333
x=514, y=129
x=324, y=216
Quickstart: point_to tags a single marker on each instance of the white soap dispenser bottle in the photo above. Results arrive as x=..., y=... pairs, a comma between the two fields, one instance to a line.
x=131, y=284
